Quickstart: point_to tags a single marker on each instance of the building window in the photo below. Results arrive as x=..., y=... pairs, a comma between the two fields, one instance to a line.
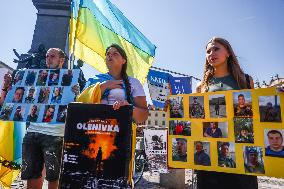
x=156, y=114
x=149, y=114
x=156, y=122
x=149, y=122
x=163, y=123
x=164, y=115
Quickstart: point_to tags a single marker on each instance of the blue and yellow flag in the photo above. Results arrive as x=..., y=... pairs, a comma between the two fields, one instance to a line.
x=95, y=25
x=11, y=136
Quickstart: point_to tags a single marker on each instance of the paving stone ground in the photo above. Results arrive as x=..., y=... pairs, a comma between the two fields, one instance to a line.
x=151, y=181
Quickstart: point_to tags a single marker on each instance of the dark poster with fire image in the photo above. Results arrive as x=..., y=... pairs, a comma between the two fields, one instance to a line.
x=97, y=147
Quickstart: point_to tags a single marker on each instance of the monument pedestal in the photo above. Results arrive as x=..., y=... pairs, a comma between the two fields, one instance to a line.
x=52, y=24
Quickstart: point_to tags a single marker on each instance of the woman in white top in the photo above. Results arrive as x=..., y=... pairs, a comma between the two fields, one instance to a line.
x=117, y=88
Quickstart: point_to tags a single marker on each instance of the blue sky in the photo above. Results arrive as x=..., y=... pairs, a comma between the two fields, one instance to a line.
x=180, y=29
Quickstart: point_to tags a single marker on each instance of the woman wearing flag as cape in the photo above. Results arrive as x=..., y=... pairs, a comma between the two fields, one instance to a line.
x=222, y=72
x=116, y=88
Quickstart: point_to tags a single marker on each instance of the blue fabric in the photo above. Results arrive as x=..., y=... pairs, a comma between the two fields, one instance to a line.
x=102, y=78
x=180, y=85
x=270, y=152
x=216, y=134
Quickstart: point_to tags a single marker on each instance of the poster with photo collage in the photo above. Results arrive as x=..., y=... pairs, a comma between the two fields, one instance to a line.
x=40, y=95
x=238, y=131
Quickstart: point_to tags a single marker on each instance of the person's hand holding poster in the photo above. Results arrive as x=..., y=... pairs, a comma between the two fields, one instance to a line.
x=40, y=95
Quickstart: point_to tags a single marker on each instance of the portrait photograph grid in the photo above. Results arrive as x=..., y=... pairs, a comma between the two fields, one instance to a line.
x=236, y=130
x=40, y=95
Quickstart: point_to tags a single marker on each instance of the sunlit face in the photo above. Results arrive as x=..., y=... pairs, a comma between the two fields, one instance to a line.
x=216, y=54
x=181, y=147
x=225, y=150
x=198, y=147
x=275, y=141
x=241, y=101
x=18, y=95
x=53, y=60
x=244, y=132
x=252, y=158
x=114, y=60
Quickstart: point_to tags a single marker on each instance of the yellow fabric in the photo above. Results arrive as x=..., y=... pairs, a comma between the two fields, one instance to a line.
x=131, y=163
x=89, y=40
x=6, y=140
x=92, y=94
x=273, y=166
x=7, y=176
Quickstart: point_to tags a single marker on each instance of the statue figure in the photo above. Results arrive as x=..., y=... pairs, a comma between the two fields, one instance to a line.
x=35, y=60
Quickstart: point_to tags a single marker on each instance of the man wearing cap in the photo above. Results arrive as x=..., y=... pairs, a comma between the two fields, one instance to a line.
x=30, y=98
x=18, y=114
x=224, y=157
x=253, y=165
x=245, y=136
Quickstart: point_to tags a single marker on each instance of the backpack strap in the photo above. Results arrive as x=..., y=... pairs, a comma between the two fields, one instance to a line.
x=248, y=81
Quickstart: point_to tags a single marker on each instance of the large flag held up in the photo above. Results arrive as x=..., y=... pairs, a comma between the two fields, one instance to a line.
x=11, y=136
x=96, y=24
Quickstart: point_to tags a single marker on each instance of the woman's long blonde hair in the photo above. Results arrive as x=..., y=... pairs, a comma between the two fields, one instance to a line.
x=233, y=66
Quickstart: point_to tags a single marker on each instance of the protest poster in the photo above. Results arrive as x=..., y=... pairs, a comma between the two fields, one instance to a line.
x=40, y=95
x=97, y=146
x=158, y=84
x=155, y=142
x=238, y=131
x=180, y=85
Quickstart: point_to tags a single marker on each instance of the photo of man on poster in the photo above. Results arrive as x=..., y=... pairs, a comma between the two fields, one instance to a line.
x=274, y=142
x=179, y=149
x=242, y=104
x=253, y=160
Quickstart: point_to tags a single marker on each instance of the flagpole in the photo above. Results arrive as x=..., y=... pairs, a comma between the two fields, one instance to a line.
x=72, y=56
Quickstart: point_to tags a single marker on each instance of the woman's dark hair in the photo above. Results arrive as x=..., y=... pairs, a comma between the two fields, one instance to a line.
x=123, y=71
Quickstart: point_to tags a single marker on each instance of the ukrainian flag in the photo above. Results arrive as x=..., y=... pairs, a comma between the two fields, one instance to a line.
x=96, y=24
x=11, y=136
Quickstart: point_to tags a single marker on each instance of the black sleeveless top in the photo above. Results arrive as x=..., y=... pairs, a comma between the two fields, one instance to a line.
x=223, y=84
x=220, y=180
